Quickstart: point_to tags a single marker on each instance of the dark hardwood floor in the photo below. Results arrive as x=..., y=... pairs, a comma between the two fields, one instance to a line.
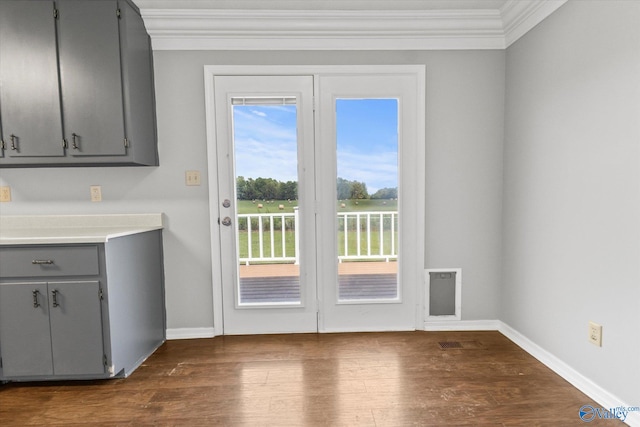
x=363, y=379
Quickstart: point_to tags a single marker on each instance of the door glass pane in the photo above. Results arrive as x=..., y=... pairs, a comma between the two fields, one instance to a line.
x=266, y=169
x=367, y=205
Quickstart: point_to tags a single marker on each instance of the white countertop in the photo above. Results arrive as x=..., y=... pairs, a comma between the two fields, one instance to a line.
x=52, y=229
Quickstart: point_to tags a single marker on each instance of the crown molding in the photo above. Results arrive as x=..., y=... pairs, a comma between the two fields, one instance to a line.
x=521, y=16
x=225, y=29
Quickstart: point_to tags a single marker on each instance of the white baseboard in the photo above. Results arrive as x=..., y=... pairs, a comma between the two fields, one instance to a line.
x=462, y=325
x=579, y=381
x=190, y=333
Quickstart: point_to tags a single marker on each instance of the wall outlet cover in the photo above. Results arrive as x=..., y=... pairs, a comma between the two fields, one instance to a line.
x=96, y=193
x=595, y=334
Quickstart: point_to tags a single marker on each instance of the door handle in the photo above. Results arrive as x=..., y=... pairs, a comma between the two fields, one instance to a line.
x=74, y=142
x=13, y=141
x=226, y=221
x=36, y=303
x=54, y=294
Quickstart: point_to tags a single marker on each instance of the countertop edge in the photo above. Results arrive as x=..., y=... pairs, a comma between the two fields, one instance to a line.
x=74, y=229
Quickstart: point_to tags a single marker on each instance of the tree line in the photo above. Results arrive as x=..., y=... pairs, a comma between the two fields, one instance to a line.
x=271, y=189
x=265, y=189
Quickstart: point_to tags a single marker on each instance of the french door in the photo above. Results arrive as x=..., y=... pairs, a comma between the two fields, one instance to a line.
x=316, y=205
x=264, y=134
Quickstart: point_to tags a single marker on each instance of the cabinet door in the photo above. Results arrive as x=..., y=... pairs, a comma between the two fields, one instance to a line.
x=29, y=93
x=138, y=87
x=76, y=327
x=1, y=137
x=90, y=76
x=24, y=329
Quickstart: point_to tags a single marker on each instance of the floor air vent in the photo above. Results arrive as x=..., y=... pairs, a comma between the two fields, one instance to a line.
x=465, y=345
x=449, y=344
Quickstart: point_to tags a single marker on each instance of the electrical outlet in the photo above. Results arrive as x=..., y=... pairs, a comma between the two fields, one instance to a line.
x=595, y=334
x=192, y=177
x=96, y=193
x=5, y=194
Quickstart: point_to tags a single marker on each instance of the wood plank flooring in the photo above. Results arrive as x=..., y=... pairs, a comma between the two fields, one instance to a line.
x=363, y=379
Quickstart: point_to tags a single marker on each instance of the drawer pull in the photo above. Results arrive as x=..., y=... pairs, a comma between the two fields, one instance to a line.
x=13, y=141
x=36, y=304
x=54, y=295
x=42, y=262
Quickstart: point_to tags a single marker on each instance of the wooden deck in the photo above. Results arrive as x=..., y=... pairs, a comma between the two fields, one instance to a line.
x=346, y=268
x=270, y=283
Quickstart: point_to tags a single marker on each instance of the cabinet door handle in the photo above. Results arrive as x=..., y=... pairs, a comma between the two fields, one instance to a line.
x=74, y=143
x=54, y=295
x=13, y=141
x=42, y=262
x=36, y=304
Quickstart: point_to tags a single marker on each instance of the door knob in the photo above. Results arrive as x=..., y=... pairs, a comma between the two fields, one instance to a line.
x=226, y=221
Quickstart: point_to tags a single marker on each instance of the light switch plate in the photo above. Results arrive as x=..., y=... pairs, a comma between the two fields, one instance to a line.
x=5, y=194
x=192, y=177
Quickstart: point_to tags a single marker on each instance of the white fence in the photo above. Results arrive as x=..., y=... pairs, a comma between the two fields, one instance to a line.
x=274, y=237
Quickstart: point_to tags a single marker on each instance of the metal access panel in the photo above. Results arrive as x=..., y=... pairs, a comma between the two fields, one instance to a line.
x=442, y=293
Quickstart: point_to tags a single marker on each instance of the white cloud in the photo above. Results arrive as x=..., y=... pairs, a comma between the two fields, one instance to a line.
x=376, y=169
x=266, y=146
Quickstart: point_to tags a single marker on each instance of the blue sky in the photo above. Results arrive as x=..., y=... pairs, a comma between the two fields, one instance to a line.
x=367, y=141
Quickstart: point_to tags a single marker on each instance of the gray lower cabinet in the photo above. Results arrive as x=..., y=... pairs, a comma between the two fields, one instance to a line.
x=60, y=329
x=77, y=84
x=80, y=311
x=2, y=143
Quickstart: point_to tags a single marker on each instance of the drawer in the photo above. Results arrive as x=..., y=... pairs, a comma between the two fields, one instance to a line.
x=49, y=261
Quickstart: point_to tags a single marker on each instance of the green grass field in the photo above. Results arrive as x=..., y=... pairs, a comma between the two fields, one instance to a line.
x=249, y=207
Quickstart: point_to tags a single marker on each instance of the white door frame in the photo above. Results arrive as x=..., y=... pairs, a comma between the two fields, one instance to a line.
x=417, y=71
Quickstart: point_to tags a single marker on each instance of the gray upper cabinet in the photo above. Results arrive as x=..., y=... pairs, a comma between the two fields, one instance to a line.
x=29, y=95
x=97, y=91
x=88, y=46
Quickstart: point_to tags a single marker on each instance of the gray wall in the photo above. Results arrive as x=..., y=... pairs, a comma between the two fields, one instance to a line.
x=572, y=189
x=568, y=236
x=465, y=98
